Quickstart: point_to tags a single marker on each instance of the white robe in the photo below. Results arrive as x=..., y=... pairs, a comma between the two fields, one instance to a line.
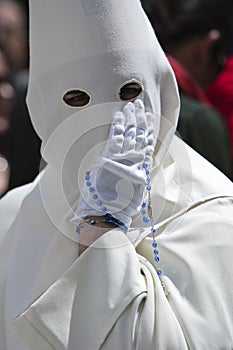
x=111, y=297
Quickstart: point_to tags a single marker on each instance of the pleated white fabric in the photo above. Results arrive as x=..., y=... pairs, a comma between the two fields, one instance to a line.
x=110, y=297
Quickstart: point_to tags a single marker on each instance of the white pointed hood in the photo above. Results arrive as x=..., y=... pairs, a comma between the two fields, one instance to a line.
x=96, y=47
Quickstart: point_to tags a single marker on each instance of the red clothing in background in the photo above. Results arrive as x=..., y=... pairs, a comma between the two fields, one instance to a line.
x=220, y=94
x=186, y=83
x=200, y=125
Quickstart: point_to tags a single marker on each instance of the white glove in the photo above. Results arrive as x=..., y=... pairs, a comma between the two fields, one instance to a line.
x=116, y=183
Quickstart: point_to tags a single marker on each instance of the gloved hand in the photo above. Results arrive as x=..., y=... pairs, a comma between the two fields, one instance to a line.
x=116, y=182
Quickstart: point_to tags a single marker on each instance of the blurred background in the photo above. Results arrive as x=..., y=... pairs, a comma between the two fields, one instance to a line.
x=19, y=144
x=197, y=37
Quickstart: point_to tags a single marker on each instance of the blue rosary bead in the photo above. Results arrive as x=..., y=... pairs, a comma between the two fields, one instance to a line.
x=148, y=180
x=99, y=203
x=79, y=227
x=147, y=214
x=91, y=189
x=88, y=184
x=95, y=196
x=146, y=220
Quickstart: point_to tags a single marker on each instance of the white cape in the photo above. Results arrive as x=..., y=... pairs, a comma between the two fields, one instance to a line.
x=111, y=297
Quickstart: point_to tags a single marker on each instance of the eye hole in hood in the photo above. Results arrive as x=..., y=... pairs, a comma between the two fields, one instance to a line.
x=130, y=90
x=76, y=98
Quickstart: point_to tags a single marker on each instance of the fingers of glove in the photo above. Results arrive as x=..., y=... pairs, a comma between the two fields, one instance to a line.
x=130, y=127
x=141, y=125
x=149, y=149
x=150, y=129
x=150, y=138
x=116, y=136
x=149, y=155
x=129, y=114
